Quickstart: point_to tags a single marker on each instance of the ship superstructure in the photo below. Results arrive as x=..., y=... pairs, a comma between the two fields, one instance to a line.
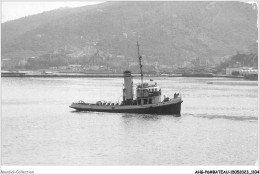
x=146, y=93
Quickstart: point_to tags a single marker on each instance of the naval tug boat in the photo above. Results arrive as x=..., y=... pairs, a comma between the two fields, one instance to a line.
x=148, y=99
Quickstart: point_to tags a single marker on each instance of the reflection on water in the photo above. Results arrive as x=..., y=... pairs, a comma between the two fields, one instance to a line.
x=141, y=116
x=217, y=126
x=149, y=117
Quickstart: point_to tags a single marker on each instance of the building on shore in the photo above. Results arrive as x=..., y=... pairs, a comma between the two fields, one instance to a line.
x=241, y=71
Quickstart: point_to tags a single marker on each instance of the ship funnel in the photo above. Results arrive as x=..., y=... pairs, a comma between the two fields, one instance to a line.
x=128, y=87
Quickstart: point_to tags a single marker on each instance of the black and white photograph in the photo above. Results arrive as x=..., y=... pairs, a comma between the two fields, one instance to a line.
x=130, y=84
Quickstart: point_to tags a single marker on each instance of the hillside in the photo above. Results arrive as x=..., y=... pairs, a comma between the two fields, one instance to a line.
x=167, y=31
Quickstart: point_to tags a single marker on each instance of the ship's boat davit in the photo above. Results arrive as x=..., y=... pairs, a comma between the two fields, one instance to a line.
x=147, y=101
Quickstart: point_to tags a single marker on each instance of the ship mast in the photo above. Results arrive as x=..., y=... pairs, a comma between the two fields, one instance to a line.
x=140, y=64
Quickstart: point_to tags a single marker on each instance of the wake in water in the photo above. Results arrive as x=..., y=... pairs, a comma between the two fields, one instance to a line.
x=235, y=118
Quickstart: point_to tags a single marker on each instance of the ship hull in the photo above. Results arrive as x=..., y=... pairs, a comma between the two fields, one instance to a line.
x=165, y=108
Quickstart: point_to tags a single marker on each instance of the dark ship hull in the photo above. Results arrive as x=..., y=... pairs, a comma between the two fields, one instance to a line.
x=170, y=107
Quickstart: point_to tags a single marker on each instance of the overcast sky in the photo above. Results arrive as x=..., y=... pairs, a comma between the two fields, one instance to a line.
x=15, y=10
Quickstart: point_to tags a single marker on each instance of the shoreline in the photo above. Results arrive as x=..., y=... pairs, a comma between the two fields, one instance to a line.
x=102, y=75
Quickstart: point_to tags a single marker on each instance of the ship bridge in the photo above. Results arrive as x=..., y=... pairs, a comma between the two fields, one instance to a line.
x=148, y=93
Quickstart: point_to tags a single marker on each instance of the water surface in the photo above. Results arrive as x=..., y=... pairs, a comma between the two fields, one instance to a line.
x=218, y=124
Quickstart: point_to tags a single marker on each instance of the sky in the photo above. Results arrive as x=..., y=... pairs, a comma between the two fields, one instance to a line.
x=14, y=10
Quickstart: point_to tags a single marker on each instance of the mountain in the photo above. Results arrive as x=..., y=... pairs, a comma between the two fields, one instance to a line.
x=168, y=32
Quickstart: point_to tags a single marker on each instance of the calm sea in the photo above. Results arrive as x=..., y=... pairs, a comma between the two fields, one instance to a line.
x=218, y=124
